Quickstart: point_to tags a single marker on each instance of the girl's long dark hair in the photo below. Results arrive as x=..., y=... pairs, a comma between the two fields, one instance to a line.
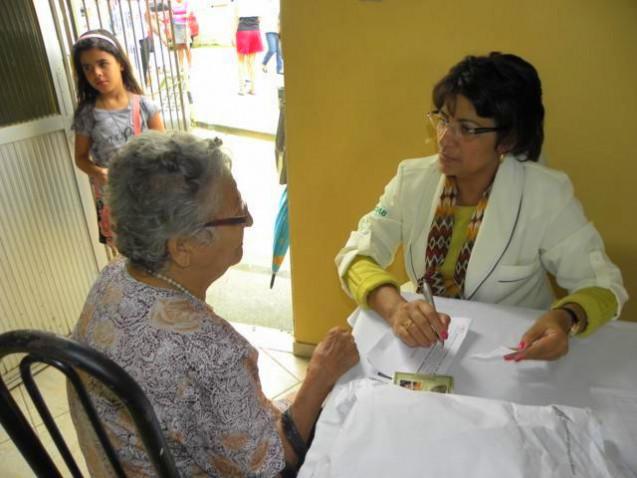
x=86, y=94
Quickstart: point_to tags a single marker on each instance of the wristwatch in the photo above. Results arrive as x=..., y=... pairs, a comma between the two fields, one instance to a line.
x=577, y=325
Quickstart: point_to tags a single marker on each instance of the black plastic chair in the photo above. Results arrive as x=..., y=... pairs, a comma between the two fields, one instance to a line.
x=68, y=357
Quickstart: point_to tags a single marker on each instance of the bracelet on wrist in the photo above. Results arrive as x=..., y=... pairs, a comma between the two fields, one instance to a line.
x=294, y=437
x=577, y=325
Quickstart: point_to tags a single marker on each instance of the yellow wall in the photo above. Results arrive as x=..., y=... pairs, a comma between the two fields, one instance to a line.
x=358, y=81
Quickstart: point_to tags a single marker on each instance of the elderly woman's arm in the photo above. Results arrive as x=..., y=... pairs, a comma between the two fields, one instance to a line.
x=333, y=356
x=228, y=426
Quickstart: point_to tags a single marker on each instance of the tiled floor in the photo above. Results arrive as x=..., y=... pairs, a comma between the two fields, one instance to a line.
x=280, y=372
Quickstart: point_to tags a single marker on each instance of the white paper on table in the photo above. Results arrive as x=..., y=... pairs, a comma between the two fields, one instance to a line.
x=617, y=410
x=391, y=431
x=391, y=355
x=495, y=354
x=368, y=329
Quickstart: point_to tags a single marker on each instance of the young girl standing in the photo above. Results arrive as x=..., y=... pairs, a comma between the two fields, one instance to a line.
x=110, y=110
x=181, y=12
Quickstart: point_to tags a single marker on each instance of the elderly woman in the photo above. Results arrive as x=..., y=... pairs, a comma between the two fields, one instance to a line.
x=483, y=221
x=179, y=223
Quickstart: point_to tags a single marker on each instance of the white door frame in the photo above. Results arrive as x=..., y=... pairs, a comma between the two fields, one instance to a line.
x=57, y=53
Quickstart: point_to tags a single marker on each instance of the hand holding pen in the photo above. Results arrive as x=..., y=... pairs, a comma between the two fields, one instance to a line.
x=417, y=323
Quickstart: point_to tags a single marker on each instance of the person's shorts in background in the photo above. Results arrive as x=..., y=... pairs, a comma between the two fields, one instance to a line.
x=249, y=41
x=181, y=34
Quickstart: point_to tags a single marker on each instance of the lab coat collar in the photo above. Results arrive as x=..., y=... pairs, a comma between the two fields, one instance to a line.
x=498, y=224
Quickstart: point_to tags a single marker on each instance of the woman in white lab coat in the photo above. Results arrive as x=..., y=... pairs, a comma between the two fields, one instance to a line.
x=483, y=221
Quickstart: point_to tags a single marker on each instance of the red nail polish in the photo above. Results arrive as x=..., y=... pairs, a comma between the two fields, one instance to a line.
x=445, y=335
x=522, y=345
x=507, y=358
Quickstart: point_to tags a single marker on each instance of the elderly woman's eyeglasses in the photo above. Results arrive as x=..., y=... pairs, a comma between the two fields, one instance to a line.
x=233, y=220
x=459, y=129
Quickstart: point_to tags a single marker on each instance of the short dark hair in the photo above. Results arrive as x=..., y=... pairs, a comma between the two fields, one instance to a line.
x=504, y=87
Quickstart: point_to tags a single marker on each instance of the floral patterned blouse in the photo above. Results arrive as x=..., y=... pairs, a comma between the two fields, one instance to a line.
x=200, y=375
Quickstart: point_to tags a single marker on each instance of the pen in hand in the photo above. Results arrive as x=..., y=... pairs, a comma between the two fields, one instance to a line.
x=429, y=297
x=427, y=294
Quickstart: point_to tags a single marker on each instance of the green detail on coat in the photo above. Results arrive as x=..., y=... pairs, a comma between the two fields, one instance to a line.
x=380, y=211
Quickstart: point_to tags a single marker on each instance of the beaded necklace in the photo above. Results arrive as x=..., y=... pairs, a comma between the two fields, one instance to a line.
x=176, y=284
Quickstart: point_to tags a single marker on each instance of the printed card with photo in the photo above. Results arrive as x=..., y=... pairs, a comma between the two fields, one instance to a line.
x=424, y=383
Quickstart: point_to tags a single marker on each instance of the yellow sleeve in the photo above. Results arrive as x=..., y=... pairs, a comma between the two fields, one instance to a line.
x=599, y=304
x=363, y=276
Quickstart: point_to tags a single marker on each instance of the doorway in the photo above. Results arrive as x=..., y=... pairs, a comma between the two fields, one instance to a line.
x=202, y=96
x=243, y=294
x=247, y=124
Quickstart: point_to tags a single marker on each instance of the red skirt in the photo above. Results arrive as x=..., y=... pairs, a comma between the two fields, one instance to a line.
x=249, y=41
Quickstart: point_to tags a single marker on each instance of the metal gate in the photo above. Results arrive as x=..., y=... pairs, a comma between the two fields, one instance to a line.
x=144, y=28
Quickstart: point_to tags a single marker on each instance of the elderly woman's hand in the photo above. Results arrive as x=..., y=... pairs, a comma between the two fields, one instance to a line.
x=547, y=339
x=417, y=323
x=333, y=356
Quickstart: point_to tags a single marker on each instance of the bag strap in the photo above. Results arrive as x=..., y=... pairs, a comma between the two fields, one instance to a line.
x=137, y=116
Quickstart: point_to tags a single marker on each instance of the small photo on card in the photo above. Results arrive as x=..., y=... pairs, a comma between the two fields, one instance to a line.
x=424, y=383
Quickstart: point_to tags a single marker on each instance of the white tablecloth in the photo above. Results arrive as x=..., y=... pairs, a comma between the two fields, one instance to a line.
x=599, y=372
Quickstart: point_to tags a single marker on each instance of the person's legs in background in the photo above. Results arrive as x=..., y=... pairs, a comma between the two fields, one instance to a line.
x=184, y=50
x=273, y=47
x=145, y=48
x=182, y=41
x=241, y=60
x=279, y=55
x=250, y=60
x=189, y=54
x=248, y=44
x=180, y=56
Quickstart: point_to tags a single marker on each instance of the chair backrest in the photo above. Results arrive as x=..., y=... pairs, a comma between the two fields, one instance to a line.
x=69, y=357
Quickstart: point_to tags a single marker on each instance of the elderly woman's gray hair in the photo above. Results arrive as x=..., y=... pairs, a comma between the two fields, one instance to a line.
x=158, y=188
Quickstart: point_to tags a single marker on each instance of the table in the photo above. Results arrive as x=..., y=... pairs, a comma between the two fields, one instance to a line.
x=606, y=360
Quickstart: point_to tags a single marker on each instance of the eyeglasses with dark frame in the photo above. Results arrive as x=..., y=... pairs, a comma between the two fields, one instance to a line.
x=441, y=123
x=230, y=221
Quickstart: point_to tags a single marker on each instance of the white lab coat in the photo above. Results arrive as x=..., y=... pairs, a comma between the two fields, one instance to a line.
x=533, y=224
